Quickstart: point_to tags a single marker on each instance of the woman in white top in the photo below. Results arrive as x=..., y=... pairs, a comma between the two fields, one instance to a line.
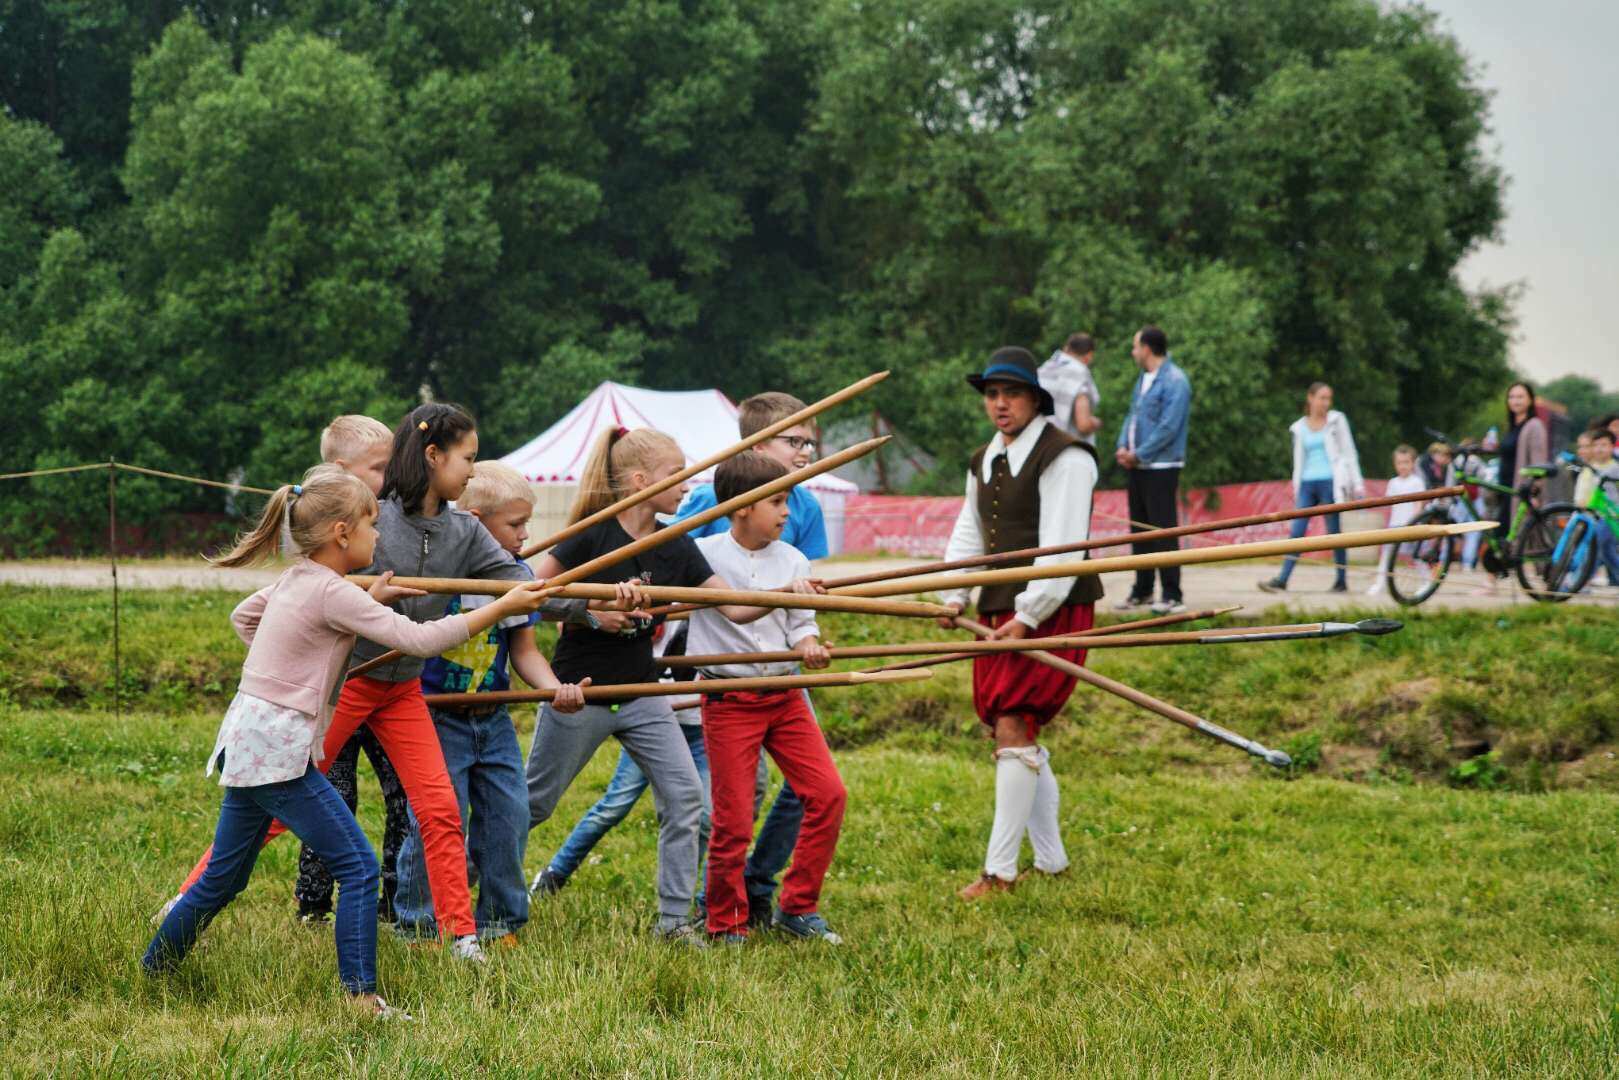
x=1326, y=469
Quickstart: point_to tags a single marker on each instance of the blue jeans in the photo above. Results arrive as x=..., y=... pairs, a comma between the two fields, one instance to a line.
x=624, y=790
x=774, y=847
x=1313, y=493
x=312, y=809
x=1460, y=513
x=486, y=770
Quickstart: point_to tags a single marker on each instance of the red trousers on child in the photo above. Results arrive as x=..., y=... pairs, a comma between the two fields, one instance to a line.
x=398, y=717
x=735, y=727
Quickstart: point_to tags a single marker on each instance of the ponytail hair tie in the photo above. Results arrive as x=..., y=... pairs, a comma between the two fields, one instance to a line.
x=297, y=489
x=422, y=425
x=623, y=431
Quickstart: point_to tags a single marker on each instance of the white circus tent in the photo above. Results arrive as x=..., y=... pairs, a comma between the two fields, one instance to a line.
x=703, y=422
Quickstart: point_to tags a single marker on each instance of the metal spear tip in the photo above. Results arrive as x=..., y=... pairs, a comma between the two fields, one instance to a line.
x=1277, y=758
x=1379, y=627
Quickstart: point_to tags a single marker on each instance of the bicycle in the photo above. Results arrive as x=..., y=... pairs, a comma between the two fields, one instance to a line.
x=1576, y=555
x=1419, y=568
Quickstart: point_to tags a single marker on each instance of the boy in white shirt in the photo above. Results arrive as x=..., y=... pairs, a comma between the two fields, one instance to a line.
x=737, y=725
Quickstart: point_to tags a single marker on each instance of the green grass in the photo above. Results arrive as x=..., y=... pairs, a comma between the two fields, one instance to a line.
x=1219, y=919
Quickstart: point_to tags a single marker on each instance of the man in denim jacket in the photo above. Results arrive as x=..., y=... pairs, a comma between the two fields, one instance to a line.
x=1152, y=448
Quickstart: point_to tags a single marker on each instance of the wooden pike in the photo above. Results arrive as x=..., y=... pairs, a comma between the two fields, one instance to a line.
x=585, y=590
x=1159, y=559
x=1228, y=636
x=625, y=691
x=681, y=528
x=808, y=412
x=1129, y=626
x=1146, y=701
x=1009, y=557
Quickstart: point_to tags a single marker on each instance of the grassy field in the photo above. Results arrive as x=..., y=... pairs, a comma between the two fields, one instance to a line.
x=1432, y=894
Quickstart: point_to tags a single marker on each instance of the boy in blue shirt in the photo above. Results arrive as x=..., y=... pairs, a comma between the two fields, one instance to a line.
x=806, y=531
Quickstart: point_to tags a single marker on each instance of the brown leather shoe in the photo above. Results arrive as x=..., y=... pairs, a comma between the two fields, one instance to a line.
x=1036, y=872
x=986, y=884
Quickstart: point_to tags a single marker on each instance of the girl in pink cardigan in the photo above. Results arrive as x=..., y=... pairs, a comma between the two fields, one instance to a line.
x=299, y=633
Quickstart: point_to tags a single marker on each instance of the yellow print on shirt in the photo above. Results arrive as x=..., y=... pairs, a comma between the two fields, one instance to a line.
x=477, y=655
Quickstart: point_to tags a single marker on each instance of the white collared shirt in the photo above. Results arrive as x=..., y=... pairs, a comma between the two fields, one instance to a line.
x=1067, y=378
x=1065, y=517
x=772, y=566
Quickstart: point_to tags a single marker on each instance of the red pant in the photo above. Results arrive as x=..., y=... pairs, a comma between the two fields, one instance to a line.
x=734, y=729
x=1011, y=684
x=398, y=717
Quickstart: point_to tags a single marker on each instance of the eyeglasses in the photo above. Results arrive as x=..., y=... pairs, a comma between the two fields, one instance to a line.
x=798, y=442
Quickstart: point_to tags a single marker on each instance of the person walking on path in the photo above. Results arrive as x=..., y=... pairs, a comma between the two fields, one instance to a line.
x=1326, y=469
x=1152, y=448
x=1067, y=376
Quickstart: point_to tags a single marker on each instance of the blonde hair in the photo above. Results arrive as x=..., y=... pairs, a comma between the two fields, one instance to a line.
x=762, y=410
x=351, y=435
x=617, y=454
x=300, y=516
x=492, y=486
x=1407, y=450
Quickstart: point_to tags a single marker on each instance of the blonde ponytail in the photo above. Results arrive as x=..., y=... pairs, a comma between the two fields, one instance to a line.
x=617, y=454
x=300, y=516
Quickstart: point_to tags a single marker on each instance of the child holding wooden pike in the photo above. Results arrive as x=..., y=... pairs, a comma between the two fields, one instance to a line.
x=360, y=446
x=620, y=651
x=737, y=725
x=1030, y=487
x=299, y=633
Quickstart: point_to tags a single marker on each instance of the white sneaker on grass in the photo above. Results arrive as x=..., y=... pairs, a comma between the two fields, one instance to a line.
x=466, y=948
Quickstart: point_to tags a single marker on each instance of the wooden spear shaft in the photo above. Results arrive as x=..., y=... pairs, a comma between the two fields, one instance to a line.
x=709, y=462
x=1148, y=536
x=1006, y=558
x=585, y=590
x=931, y=648
x=680, y=528
x=1145, y=701
x=1126, y=627
x=1156, y=560
x=625, y=691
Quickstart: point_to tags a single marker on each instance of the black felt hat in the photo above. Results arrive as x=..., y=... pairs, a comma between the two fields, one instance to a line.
x=1012, y=364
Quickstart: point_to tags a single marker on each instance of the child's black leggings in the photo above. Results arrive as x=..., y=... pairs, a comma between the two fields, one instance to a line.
x=314, y=888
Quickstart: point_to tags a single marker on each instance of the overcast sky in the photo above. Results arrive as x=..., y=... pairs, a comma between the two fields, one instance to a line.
x=1555, y=115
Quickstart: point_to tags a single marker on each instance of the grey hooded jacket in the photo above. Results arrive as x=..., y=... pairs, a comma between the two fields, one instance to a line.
x=452, y=544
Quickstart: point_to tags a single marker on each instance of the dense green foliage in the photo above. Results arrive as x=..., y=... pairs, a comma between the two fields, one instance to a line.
x=222, y=222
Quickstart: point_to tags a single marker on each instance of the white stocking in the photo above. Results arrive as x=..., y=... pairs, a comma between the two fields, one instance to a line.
x=1017, y=773
x=1044, y=832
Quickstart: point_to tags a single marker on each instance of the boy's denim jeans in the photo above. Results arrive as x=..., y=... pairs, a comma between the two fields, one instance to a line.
x=486, y=770
x=312, y=809
x=624, y=790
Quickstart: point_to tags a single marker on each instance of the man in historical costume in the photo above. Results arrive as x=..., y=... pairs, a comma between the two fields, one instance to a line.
x=1031, y=486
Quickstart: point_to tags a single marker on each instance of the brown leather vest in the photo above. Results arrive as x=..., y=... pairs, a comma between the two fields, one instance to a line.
x=1009, y=511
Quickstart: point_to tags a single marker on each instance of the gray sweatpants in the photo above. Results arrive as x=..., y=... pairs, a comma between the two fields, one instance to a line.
x=647, y=729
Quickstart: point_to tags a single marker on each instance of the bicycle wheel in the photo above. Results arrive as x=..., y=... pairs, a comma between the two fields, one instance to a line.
x=1533, y=549
x=1573, y=566
x=1419, y=568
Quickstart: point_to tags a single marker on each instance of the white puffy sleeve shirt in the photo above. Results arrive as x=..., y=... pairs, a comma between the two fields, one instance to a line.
x=1066, y=488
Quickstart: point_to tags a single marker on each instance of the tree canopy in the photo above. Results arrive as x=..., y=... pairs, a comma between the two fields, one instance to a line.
x=221, y=223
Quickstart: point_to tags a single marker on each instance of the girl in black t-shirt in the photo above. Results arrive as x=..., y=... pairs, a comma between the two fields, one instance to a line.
x=618, y=650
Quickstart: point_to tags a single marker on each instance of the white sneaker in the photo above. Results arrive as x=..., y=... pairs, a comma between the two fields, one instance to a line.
x=1133, y=603
x=381, y=1010
x=1378, y=589
x=466, y=948
x=1168, y=607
